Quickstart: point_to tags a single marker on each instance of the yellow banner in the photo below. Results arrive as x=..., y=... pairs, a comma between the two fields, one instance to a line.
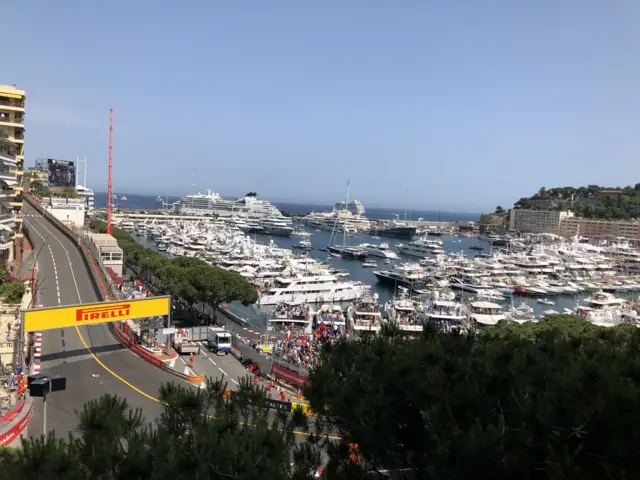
x=93, y=313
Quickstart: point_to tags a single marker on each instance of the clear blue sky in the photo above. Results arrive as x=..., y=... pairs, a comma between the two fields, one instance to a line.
x=466, y=104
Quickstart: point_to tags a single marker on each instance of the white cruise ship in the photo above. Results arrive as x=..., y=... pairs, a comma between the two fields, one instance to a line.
x=301, y=289
x=211, y=203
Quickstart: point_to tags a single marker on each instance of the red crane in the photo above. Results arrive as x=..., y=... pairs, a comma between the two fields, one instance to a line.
x=109, y=186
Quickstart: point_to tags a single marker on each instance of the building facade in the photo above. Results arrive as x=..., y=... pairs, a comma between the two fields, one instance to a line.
x=536, y=221
x=592, y=228
x=12, y=115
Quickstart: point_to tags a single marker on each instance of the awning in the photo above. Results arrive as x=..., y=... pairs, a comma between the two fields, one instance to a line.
x=11, y=183
x=10, y=95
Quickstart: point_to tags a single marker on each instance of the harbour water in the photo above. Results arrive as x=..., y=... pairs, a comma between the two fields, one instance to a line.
x=320, y=239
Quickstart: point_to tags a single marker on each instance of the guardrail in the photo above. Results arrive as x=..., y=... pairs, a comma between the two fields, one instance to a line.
x=99, y=279
x=125, y=340
x=17, y=425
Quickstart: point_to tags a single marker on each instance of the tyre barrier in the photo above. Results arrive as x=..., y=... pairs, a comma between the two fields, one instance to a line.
x=17, y=425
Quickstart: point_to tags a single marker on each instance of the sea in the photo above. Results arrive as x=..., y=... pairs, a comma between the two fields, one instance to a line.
x=149, y=202
x=467, y=245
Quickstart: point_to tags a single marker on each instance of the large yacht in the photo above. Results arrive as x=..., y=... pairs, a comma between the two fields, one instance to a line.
x=280, y=226
x=411, y=276
x=211, y=203
x=364, y=316
x=422, y=247
x=393, y=229
x=381, y=250
x=301, y=289
x=402, y=312
x=485, y=314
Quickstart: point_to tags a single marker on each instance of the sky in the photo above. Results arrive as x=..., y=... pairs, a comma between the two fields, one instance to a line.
x=463, y=105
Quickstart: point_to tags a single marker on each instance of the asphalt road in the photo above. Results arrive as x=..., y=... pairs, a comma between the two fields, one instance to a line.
x=93, y=362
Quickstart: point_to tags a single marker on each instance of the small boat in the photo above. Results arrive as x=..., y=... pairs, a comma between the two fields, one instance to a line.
x=335, y=254
x=387, y=261
x=369, y=264
x=546, y=301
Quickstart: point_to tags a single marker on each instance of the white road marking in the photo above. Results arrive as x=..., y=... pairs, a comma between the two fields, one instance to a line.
x=213, y=362
x=235, y=381
x=223, y=372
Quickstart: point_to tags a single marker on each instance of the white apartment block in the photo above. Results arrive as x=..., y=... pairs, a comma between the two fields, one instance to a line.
x=537, y=221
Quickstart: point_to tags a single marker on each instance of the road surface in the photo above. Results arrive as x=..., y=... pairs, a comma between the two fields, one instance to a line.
x=93, y=362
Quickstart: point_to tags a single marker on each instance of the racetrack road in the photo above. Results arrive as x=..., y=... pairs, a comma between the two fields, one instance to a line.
x=93, y=362
x=90, y=358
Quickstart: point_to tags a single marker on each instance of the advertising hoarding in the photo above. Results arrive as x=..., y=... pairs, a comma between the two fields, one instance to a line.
x=60, y=173
x=94, y=313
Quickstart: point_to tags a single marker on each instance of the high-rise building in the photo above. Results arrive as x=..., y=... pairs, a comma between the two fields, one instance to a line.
x=12, y=109
x=536, y=221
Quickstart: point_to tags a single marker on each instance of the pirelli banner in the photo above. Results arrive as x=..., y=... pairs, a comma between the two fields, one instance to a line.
x=93, y=313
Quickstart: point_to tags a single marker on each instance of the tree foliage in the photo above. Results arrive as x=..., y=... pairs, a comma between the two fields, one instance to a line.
x=199, y=434
x=588, y=202
x=557, y=399
x=189, y=278
x=12, y=292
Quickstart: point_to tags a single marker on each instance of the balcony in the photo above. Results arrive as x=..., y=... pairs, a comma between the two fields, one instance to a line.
x=7, y=177
x=7, y=159
x=18, y=137
x=11, y=122
x=13, y=105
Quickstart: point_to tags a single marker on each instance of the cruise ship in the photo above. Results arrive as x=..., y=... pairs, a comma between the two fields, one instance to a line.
x=211, y=203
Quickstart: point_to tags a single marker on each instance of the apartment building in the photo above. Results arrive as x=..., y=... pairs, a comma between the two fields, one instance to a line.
x=12, y=112
x=592, y=228
x=536, y=221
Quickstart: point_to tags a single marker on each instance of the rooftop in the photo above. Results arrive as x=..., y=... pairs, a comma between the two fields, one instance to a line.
x=12, y=90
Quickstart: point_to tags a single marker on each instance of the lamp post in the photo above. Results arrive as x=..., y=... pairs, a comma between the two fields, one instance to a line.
x=41, y=385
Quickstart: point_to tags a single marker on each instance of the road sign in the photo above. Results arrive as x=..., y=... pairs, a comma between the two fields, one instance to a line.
x=94, y=313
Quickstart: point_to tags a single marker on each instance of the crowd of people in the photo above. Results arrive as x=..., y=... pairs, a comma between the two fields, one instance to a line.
x=304, y=350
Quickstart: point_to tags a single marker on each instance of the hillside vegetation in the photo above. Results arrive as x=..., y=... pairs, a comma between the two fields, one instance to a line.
x=589, y=202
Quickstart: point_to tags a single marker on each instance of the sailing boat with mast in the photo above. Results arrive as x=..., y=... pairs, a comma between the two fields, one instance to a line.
x=344, y=250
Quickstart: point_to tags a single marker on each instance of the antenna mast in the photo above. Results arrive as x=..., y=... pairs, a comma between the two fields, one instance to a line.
x=109, y=185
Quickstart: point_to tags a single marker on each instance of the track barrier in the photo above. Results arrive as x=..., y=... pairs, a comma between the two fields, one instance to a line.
x=17, y=424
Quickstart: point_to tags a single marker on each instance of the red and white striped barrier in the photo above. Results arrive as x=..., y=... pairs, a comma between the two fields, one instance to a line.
x=251, y=331
x=37, y=353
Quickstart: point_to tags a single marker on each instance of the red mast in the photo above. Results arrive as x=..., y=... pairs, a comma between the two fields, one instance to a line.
x=109, y=187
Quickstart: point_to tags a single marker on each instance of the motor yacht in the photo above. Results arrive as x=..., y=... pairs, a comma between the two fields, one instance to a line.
x=364, y=317
x=382, y=250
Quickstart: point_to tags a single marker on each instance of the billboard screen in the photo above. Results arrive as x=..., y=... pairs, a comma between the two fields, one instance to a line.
x=93, y=313
x=61, y=173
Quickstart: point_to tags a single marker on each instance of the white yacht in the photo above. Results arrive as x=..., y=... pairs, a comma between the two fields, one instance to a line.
x=381, y=250
x=364, y=316
x=290, y=319
x=448, y=313
x=422, y=247
x=402, y=312
x=408, y=275
x=311, y=289
x=483, y=314
x=279, y=225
